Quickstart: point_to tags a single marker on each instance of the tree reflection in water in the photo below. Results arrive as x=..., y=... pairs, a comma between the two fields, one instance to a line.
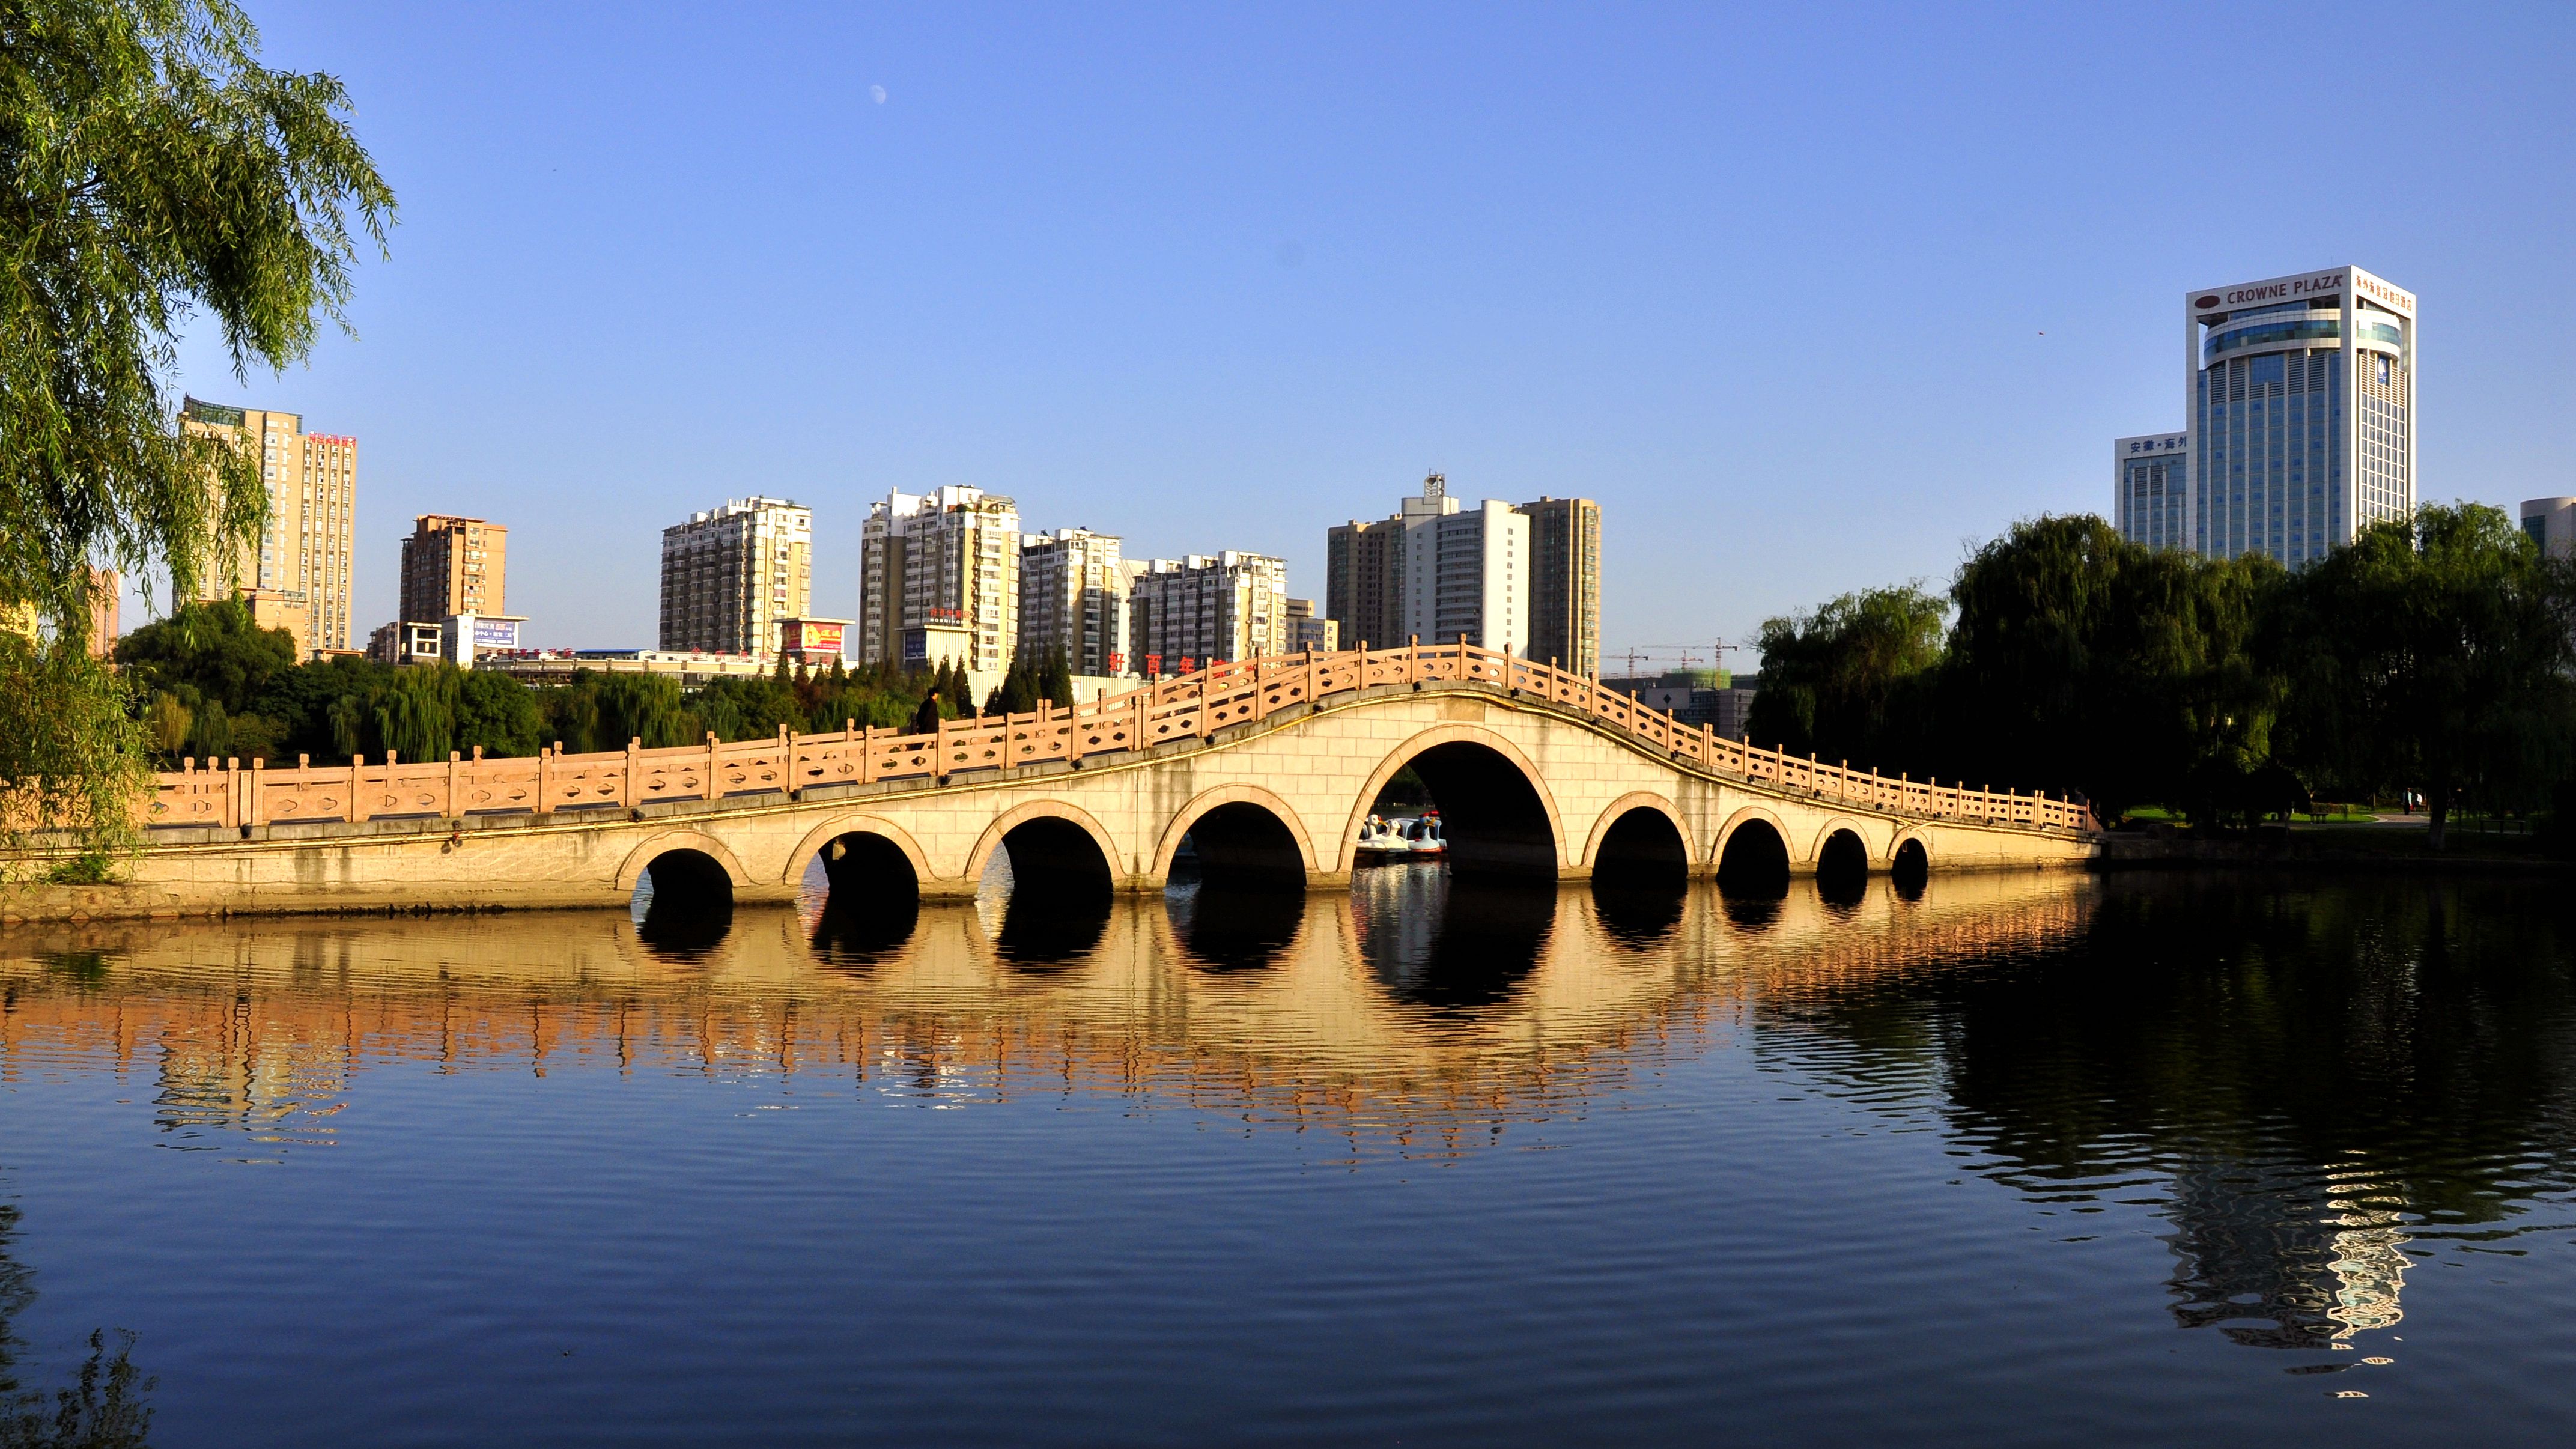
x=101, y=1408
x=2336, y=1082
x=1454, y=947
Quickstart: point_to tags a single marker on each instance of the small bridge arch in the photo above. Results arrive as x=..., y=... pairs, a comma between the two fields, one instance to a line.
x=1640, y=830
x=673, y=842
x=1251, y=832
x=1052, y=854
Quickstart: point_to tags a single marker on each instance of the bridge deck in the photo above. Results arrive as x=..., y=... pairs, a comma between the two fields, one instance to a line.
x=1197, y=707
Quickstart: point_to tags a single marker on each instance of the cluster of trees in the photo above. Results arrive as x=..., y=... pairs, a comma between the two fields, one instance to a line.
x=208, y=683
x=1050, y=679
x=156, y=173
x=2438, y=657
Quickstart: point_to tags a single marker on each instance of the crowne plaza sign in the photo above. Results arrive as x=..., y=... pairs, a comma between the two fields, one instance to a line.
x=2318, y=287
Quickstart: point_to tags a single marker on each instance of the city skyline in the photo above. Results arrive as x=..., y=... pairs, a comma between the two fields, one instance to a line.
x=1034, y=280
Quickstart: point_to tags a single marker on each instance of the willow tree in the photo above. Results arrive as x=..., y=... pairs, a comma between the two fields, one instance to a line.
x=153, y=176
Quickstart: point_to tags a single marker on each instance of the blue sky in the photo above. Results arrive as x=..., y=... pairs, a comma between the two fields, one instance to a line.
x=1809, y=297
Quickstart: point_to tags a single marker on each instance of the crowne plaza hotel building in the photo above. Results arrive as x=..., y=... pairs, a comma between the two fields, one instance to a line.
x=2300, y=395
x=2299, y=408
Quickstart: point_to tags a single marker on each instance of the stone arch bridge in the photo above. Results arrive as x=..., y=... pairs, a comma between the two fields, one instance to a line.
x=1267, y=767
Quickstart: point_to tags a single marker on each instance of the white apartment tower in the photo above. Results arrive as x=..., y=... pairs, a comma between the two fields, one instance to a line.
x=2300, y=397
x=1073, y=596
x=730, y=575
x=1466, y=571
x=1205, y=608
x=947, y=561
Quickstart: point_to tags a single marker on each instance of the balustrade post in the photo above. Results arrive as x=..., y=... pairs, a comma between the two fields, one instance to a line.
x=545, y=780
x=357, y=808
x=450, y=811
x=258, y=779
x=714, y=746
x=633, y=794
x=1413, y=659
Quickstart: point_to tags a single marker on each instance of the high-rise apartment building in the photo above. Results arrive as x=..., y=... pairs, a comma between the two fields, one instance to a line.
x=2300, y=396
x=297, y=572
x=1530, y=582
x=732, y=575
x=945, y=561
x=1205, y=608
x=1565, y=583
x=2150, y=489
x=1466, y=571
x=1073, y=597
x=454, y=566
x=1309, y=631
x=1362, y=580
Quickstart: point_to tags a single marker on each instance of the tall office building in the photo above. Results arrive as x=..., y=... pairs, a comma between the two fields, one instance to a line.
x=946, y=562
x=1565, y=583
x=1362, y=580
x=2300, y=395
x=297, y=572
x=1207, y=607
x=1073, y=596
x=2150, y=489
x=732, y=575
x=2551, y=524
x=1466, y=571
x=454, y=566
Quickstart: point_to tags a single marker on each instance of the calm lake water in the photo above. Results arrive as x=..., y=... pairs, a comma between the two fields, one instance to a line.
x=2028, y=1159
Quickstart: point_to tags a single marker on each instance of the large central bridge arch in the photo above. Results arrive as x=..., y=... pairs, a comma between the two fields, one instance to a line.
x=1497, y=812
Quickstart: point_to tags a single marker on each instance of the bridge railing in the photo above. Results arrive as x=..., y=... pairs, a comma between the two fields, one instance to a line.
x=1192, y=706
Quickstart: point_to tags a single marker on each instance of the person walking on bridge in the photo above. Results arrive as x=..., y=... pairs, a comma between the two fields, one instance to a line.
x=925, y=720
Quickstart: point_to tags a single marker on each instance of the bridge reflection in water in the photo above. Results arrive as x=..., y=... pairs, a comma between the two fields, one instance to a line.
x=2289, y=1079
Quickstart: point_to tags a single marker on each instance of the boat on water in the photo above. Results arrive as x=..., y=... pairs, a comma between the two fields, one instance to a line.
x=1388, y=840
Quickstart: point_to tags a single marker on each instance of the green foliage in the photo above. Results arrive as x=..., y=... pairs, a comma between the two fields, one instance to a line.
x=151, y=171
x=73, y=755
x=209, y=653
x=1016, y=694
x=1847, y=680
x=2437, y=658
x=2120, y=671
x=743, y=709
x=152, y=168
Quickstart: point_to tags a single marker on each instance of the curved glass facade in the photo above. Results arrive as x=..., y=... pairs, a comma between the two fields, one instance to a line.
x=2304, y=330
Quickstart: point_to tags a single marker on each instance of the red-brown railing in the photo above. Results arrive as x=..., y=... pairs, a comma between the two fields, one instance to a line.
x=1193, y=706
